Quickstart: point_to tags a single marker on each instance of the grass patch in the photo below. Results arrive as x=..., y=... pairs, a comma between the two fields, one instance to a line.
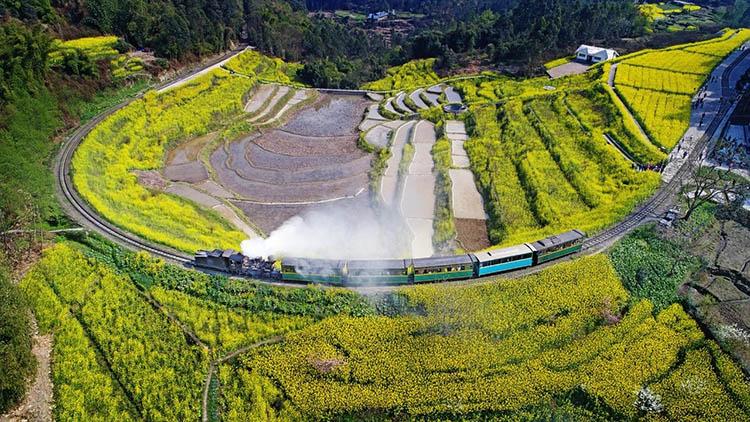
x=558, y=62
x=651, y=267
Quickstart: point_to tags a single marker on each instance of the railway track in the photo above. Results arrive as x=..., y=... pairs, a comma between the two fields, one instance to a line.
x=81, y=211
x=666, y=191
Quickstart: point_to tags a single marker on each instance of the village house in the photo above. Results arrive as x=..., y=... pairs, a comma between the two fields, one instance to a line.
x=588, y=53
x=377, y=17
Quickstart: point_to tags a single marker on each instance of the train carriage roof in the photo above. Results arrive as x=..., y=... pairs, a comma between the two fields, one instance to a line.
x=312, y=263
x=376, y=264
x=559, y=239
x=503, y=253
x=442, y=261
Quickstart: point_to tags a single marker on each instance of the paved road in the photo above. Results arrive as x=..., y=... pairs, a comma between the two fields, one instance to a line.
x=666, y=194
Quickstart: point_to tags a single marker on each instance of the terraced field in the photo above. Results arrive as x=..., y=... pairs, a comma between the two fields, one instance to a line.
x=541, y=159
x=313, y=158
x=658, y=86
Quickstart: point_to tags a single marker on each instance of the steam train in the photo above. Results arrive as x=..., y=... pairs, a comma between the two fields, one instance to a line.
x=393, y=271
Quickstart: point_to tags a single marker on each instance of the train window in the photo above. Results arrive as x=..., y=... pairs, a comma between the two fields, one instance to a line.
x=506, y=260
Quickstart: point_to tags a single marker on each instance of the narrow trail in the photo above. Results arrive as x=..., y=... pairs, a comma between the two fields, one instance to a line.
x=225, y=358
x=37, y=403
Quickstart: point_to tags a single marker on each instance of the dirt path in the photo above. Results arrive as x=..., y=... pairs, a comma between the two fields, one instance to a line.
x=37, y=405
x=227, y=357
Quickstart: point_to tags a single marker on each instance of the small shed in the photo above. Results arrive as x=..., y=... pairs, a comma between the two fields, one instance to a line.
x=592, y=54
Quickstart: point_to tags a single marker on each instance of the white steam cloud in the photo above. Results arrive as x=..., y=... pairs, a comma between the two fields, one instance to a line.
x=335, y=232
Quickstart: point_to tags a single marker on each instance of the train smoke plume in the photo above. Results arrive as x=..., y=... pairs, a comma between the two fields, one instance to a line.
x=335, y=232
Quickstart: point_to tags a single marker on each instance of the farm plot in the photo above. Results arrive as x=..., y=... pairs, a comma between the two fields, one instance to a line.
x=329, y=115
x=660, y=96
x=664, y=116
x=390, y=189
x=281, y=95
x=466, y=202
x=675, y=61
x=553, y=197
x=134, y=139
x=542, y=165
x=603, y=179
x=112, y=344
x=313, y=158
x=658, y=80
x=410, y=75
x=455, y=131
x=269, y=217
x=260, y=97
x=418, y=200
x=549, y=333
x=594, y=109
x=266, y=69
x=416, y=98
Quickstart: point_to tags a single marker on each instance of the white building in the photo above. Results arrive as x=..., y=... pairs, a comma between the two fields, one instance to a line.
x=593, y=54
x=377, y=17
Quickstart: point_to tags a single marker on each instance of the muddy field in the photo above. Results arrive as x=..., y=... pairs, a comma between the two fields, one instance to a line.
x=418, y=200
x=313, y=158
x=182, y=164
x=287, y=143
x=472, y=234
x=270, y=217
x=467, y=202
x=329, y=115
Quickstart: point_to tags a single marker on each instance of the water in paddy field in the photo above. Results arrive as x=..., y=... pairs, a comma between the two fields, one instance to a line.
x=350, y=231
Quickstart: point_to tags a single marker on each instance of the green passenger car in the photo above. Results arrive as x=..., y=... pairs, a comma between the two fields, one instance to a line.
x=427, y=270
x=380, y=272
x=558, y=246
x=301, y=270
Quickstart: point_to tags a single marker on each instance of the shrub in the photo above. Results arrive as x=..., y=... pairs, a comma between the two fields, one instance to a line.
x=411, y=75
x=16, y=361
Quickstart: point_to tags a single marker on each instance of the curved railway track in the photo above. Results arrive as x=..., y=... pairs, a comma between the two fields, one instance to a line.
x=667, y=190
x=81, y=211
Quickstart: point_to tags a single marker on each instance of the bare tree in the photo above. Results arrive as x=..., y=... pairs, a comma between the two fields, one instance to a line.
x=707, y=183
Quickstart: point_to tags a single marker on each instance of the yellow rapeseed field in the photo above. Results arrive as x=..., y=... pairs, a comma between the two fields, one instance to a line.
x=502, y=346
x=135, y=139
x=658, y=85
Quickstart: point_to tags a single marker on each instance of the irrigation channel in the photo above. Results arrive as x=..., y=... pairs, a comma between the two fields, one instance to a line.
x=80, y=211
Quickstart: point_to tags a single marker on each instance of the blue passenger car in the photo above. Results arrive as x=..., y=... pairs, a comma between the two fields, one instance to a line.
x=506, y=259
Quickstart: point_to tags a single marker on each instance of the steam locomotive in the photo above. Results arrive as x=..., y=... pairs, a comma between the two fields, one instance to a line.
x=393, y=271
